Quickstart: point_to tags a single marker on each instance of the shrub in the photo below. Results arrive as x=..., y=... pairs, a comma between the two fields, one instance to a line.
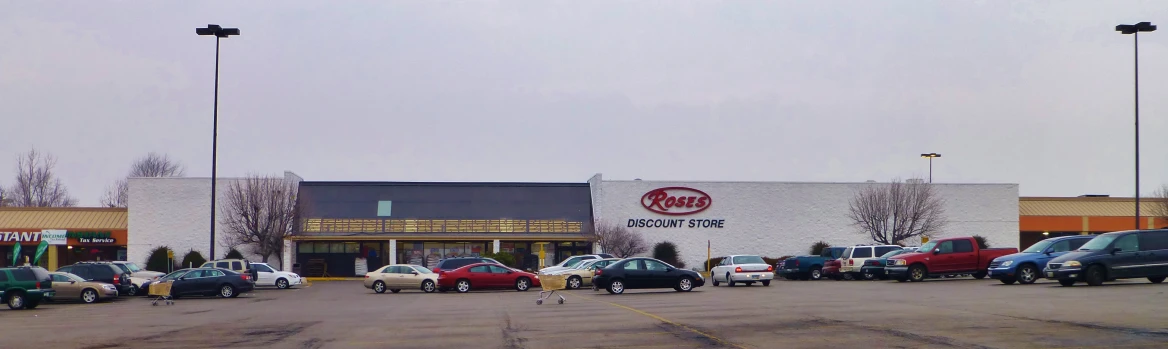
x=193, y=259
x=713, y=262
x=818, y=247
x=158, y=261
x=233, y=254
x=667, y=252
x=982, y=242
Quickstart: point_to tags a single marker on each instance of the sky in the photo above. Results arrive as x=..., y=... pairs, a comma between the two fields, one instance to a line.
x=1038, y=93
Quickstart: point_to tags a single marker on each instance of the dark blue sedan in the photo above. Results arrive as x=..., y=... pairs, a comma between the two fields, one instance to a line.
x=205, y=282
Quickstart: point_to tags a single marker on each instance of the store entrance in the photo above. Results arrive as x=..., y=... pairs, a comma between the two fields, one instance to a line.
x=564, y=250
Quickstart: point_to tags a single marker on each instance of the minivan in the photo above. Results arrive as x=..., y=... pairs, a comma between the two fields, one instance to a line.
x=1117, y=255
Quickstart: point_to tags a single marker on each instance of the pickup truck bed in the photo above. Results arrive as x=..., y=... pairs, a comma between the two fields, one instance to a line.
x=945, y=257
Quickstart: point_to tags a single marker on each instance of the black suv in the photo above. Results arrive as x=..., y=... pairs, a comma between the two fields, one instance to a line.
x=459, y=262
x=103, y=272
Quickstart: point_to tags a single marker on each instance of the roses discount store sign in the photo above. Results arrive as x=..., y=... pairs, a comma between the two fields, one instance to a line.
x=676, y=201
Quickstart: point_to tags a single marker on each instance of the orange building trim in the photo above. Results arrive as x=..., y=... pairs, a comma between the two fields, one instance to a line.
x=1044, y=217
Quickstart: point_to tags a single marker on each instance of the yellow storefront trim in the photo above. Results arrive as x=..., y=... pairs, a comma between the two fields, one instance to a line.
x=52, y=257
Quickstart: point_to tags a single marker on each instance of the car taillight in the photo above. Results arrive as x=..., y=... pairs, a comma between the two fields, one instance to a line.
x=796, y=262
x=598, y=272
x=244, y=276
x=437, y=270
x=738, y=270
x=117, y=279
x=38, y=284
x=770, y=268
x=851, y=262
x=366, y=276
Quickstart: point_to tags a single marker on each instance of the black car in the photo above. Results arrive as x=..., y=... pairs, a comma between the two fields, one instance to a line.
x=641, y=273
x=1112, y=256
x=206, y=282
x=459, y=262
x=103, y=272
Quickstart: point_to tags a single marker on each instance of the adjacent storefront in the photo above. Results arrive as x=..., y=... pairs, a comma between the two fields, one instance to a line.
x=353, y=227
x=780, y=218
x=68, y=235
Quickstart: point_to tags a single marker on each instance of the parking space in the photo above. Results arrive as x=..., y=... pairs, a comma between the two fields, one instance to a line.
x=956, y=313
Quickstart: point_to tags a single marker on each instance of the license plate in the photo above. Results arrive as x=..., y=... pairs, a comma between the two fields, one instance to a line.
x=1049, y=274
x=754, y=277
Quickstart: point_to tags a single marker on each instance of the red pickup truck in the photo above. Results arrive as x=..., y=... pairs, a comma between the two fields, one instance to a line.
x=944, y=257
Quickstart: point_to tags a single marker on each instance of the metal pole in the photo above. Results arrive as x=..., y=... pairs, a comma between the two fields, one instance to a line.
x=214, y=146
x=930, y=170
x=1136, y=37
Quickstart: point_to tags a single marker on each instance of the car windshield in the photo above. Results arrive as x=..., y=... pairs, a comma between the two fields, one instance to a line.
x=585, y=265
x=124, y=268
x=847, y=252
x=1039, y=247
x=928, y=246
x=133, y=267
x=893, y=253
x=573, y=262
x=748, y=260
x=1098, y=243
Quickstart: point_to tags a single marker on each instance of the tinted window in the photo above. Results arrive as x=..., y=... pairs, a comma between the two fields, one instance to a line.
x=193, y=274
x=456, y=263
x=1128, y=243
x=1076, y=243
x=962, y=246
x=207, y=265
x=222, y=265
x=498, y=270
x=123, y=267
x=1154, y=240
x=66, y=270
x=847, y=253
x=60, y=278
x=748, y=260
x=880, y=251
x=946, y=247
x=264, y=268
x=1061, y=246
x=83, y=272
x=23, y=274
x=212, y=273
x=862, y=252
x=633, y=265
x=103, y=272
x=481, y=269
x=236, y=266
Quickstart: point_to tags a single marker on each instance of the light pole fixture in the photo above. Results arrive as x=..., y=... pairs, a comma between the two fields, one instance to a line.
x=931, y=156
x=1135, y=30
x=219, y=33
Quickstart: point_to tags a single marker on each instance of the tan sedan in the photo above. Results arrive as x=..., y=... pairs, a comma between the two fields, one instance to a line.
x=581, y=275
x=396, y=277
x=69, y=286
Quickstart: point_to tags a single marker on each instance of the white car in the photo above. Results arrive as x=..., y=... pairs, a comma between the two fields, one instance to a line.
x=853, y=258
x=138, y=276
x=268, y=276
x=746, y=269
x=568, y=263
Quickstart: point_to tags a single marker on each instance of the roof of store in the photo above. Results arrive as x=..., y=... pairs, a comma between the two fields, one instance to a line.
x=450, y=184
x=1090, y=206
x=63, y=218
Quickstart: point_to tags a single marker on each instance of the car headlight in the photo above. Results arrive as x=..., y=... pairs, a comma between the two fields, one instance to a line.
x=900, y=262
x=1072, y=264
x=1007, y=263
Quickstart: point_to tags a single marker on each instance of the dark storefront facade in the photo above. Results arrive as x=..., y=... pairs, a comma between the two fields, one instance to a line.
x=349, y=228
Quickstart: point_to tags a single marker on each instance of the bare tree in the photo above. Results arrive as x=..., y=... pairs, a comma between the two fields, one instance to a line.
x=896, y=211
x=260, y=213
x=36, y=184
x=151, y=165
x=619, y=241
x=1160, y=200
x=3, y=198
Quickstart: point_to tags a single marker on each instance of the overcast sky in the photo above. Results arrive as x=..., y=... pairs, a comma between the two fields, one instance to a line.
x=1031, y=92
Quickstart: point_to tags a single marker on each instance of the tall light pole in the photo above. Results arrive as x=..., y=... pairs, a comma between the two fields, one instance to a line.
x=1135, y=30
x=219, y=33
x=931, y=156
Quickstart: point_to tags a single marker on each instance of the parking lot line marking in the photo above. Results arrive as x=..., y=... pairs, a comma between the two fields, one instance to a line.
x=671, y=322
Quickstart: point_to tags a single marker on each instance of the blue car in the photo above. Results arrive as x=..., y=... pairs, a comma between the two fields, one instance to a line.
x=1027, y=266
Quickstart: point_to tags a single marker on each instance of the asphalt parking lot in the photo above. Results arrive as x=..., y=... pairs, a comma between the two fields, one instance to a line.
x=950, y=313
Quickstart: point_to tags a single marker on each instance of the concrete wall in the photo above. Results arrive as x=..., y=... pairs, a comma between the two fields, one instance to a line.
x=176, y=212
x=783, y=218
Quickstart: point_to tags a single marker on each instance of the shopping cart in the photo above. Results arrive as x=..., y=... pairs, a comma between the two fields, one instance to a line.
x=550, y=284
x=161, y=292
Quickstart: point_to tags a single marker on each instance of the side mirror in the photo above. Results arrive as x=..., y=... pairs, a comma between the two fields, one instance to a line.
x=937, y=251
x=415, y=273
x=668, y=270
x=182, y=278
x=72, y=281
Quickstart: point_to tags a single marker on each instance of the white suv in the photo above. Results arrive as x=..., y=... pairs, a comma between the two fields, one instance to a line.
x=854, y=257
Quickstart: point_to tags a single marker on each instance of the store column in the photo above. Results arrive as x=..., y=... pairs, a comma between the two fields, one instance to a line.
x=392, y=251
x=496, y=250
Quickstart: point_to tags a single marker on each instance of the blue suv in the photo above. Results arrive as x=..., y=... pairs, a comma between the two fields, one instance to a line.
x=1027, y=266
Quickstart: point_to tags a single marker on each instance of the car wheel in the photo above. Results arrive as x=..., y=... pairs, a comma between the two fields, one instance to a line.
x=1095, y=275
x=766, y=283
x=1007, y=281
x=522, y=284
x=89, y=295
x=869, y=276
x=133, y=291
x=1027, y=274
x=227, y=291
x=616, y=287
x=714, y=281
x=730, y=281
x=575, y=282
x=685, y=284
x=1156, y=279
x=1067, y=282
x=463, y=286
x=16, y=300
x=849, y=277
x=917, y=273
x=378, y=286
x=816, y=273
x=282, y=283
x=428, y=286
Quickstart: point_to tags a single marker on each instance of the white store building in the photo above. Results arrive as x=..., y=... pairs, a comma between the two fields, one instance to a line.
x=774, y=219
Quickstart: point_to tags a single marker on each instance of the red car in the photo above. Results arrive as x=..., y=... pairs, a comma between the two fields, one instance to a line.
x=481, y=276
x=831, y=269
